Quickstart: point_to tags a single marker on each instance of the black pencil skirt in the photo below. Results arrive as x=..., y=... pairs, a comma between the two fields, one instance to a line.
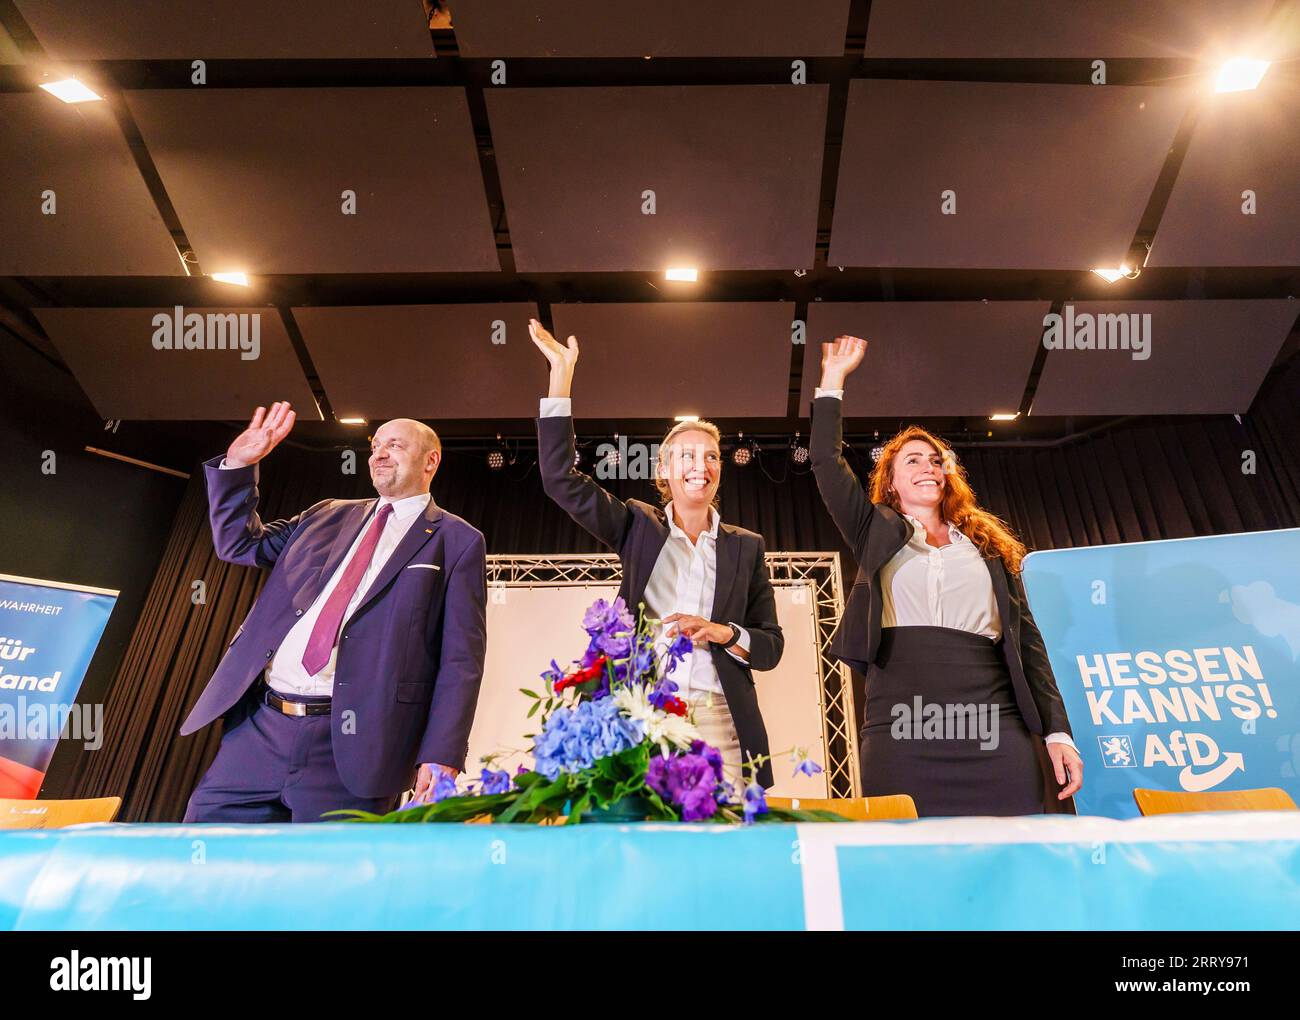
x=941, y=724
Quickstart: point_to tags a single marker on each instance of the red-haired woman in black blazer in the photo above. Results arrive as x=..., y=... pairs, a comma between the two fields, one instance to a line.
x=938, y=616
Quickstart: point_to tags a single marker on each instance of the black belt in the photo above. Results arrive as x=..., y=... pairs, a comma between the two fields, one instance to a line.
x=319, y=706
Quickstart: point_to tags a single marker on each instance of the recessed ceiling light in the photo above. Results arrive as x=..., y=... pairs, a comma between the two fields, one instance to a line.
x=1004, y=416
x=71, y=91
x=1240, y=75
x=239, y=279
x=352, y=421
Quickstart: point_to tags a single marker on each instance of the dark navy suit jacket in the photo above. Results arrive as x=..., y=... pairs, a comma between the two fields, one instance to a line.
x=637, y=531
x=410, y=657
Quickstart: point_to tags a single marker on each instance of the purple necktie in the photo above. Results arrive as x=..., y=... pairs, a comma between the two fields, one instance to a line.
x=326, y=632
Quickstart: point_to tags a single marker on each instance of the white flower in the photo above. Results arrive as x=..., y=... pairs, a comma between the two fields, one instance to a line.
x=660, y=727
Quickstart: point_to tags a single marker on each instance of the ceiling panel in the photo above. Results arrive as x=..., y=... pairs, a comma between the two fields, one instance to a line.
x=1243, y=142
x=112, y=354
x=663, y=359
x=1062, y=28
x=1204, y=357
x=929, y=358
x=1041, y=176
x=258, y=176
x=231, y=29
x=436, y=362
x=668, y=28
x=104, y=222
x=734, y=173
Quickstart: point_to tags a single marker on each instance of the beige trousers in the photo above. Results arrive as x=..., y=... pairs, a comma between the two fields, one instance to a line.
x=713, y=719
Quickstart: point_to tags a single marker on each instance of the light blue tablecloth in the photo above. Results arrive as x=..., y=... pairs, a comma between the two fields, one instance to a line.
x=1231, y=871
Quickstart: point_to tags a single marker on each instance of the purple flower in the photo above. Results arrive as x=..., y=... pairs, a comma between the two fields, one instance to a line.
x=698, y=805
x=606, y=617
x=710, y=754
x=656, y=776
x=755, y=802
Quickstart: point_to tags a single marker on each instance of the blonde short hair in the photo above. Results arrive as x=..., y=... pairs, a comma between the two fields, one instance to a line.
x=708, y=428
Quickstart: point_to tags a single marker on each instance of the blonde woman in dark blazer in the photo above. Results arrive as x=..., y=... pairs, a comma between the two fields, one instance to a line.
x=937, y=612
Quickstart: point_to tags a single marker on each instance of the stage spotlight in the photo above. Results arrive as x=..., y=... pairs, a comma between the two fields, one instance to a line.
x=496, y=460
x=682, y=274
x=1005, y=416
x=876, y=453
x=798, y=450
x=743, y=453
x=352, y=421
x=687, y=417
x=577, y=458
x=238, y=279
x=71, y=91
x=1240, y=75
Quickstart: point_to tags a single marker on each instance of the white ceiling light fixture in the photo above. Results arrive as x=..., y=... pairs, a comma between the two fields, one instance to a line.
x=1241, y=74
x=70, y=90
x=1111, y=275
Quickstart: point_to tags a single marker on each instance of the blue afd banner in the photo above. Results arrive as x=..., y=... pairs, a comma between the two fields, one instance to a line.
x=1179, y=662
x=48, y=634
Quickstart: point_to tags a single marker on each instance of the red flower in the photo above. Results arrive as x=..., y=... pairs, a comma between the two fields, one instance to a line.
x=674, y=706
x=580, y=676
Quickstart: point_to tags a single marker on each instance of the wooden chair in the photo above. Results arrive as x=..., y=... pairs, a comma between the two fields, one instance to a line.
x=855, y=809
x=56, y=814
x=1175, y=802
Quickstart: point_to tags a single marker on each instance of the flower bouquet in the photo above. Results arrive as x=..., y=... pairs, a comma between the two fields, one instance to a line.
x=615, y=743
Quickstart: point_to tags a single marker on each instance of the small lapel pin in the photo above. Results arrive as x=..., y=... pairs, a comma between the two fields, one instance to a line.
x=428, y=531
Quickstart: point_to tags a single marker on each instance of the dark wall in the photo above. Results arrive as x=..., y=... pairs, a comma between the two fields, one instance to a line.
x=94, y=521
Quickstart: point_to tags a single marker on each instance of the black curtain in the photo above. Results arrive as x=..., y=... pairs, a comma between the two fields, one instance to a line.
x=1138, y=481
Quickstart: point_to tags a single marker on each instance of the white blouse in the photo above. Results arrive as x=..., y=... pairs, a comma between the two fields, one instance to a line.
x=949, y=587
x=924, y=586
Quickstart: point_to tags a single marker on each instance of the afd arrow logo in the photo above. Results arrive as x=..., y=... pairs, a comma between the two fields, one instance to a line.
x=1197, y=782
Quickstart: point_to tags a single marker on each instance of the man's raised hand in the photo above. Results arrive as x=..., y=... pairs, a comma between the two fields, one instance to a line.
x=262, y=436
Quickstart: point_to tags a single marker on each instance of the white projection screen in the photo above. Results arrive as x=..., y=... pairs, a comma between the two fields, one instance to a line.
x=530, y=624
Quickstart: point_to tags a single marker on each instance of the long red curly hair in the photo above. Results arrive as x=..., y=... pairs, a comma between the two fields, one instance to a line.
x=991, y=535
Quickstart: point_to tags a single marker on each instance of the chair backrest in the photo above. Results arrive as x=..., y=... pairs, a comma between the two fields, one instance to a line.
x=1173, y=802
x=856, y=809
x=55, y=814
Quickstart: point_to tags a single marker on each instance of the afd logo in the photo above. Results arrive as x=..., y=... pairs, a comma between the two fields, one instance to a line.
x=77, y=973
x=1117, y=752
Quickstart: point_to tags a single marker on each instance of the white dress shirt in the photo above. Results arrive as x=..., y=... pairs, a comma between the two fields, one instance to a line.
x=286, y=673
x=684, y=580
x=945, y=586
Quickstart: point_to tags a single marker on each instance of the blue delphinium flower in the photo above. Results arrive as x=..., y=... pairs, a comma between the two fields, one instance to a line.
x=494, y=781
x=808, y=767
x=443, y=788
x=678, y=650
x=661, y=692
x=755, y=802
